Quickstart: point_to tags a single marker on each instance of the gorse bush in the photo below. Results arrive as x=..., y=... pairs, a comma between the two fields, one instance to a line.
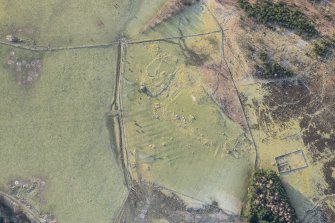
x=268, y=201
x=271, y=69
x=324, y=47
x=279, y=14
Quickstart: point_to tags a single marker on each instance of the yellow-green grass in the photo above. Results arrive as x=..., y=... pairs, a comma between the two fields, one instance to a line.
x=180, y=139
x=273, y=140
x=193, y=20
x=56, y=130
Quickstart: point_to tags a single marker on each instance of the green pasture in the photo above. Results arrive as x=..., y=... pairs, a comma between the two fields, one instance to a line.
x=55, y=129
x=72, y=23
x=68, y=23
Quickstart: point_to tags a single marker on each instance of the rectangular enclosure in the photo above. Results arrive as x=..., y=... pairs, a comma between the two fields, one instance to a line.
x=291, y=162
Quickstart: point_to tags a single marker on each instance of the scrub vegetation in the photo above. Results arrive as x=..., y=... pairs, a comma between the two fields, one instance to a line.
x=324, y=47
x=287, y=114
x=279, y=14
x=272, y=69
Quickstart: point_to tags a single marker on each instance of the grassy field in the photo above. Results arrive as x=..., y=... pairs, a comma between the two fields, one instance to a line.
x=63, y=22
x=55, y=129
x=66, y=23
x=69, y=23
x=176, y=134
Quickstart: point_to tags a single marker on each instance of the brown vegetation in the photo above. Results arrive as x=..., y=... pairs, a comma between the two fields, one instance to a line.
x=223, y=91
x=150, y=203
x=328, y=170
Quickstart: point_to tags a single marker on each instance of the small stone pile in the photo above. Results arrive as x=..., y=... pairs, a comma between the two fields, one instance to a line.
x=26, y=71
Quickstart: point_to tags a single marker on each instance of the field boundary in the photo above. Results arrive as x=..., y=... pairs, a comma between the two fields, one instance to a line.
x=93, y=46
x=117, y=106
x=46, y=49
x=225, y=63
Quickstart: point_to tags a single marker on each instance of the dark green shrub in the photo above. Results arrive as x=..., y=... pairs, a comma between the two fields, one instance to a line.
x=279, y=14
x=253, y=219
x=271, y=69
x=324, y=48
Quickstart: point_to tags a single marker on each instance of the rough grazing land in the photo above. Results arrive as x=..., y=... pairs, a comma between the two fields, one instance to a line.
x=159, y=111
x=288, y=113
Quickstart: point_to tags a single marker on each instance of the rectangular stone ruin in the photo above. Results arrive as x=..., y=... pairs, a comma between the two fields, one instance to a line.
x=290, y=162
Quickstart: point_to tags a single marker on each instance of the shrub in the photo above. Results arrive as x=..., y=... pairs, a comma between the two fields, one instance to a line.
x=279, y=14
x=324, y=47
x=271, y=69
